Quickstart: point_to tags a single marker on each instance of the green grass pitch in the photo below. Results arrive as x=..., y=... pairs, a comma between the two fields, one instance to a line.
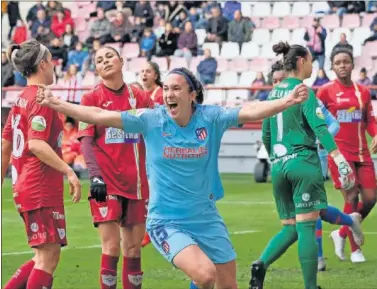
x=250, y=215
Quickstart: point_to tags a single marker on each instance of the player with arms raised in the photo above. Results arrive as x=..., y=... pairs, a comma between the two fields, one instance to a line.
x=116, y=163
x=351, y=104
x=298, y=186
x=32, y=137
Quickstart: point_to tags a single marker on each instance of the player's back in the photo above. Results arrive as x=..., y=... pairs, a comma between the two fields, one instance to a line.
x=289, y=130
x=35, y=184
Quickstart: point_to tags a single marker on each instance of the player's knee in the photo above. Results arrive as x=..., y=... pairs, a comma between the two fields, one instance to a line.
x=288, y=222
x=352, y=197
x=368, y=204
x=206, y=276
x=131, y=250
x=312, y=216
x=111, y=247
x=47, y=259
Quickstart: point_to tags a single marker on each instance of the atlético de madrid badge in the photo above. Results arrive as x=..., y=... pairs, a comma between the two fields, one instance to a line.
x=201, y=133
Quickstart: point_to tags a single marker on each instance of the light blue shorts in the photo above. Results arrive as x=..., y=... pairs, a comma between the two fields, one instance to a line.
x=207, y=230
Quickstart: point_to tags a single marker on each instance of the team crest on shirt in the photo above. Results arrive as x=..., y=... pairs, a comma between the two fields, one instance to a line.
x=165, y=247
x=38, y=123
x=201, y=133
x=103, y=211
x=305, y=197
x=61, y=233
x=34, y=227
x=83, y=125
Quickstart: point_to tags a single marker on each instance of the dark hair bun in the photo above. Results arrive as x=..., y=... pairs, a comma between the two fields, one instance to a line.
x=281, y=48
x=10, y=50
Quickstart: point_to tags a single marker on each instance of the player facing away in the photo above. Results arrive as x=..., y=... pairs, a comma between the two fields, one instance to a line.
x=116, y=163
x=183, y=140
x=32, y=138
x=351, y=104
x=150, y=77
x=290, y=139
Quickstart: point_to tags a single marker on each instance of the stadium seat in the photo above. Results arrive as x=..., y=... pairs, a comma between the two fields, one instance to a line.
x=370, y=50
x=162, y=62
x=262, y=9
x=257, y=21
x=280, y=34
x=320, y=7
x=89, y=79
x=214, y=96
x=83, y=35
x=239, y=64
x=281, y=9
x=201, y=35
x=129, y=76
x=335, y=36
x=360, y=34
x=300, y=9
x=214, y=47
x=195, y=62
x=246, y=9
x=247, y=78
x=230, y=50
x=298, y=36
x=329, y=44
x=130, y=50
x=261, y=36
x=135, y=63
x=363, y=61
x=81, y=24
x=306, y=21
x=236, y=95
x=250, y=50
x=270, y=22
x=116, y=46
x=357, y=49
x=351, y=21
x=330, y=21
x=260, y=64
x=222, y=64
x=368, y=19
x=291, y=22
x=228, y=78
x=266, y=51
x=177, y=62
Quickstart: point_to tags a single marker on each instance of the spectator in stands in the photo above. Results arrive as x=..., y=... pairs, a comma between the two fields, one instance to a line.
x=321, y=78
x=230, y=8
x=13, y=16
x=187, y=43
x=70, y=143
x=100, y=29
x=148, y=43
x=44, y=35
x=239, y=29
x=315, y=37
x=20, y=32
x=203, y=21
x=119, y=7
x=120, y=28
x=41, y=21
x=371, y=26
x=59, y=22
x=168, y=41
x=217, y=27
x=160, y=29
x=343, y=43
x=207, y=6
x=207, y=68
x=71, y=81
x=143, y=9
x=338, y=7
x=373, y=37
x=78, y=56
x=356, y=7
x=137, y=30
x=259, y=81
x=172, y=10
x=7, y=75
x=53, y=7
x=374, y=91
x=69, y=38
x=32, y=13
x=89, y=63
x=59, y=55
x=180, y=22
x=106, y=5
x=372, y=6
x=193, y=16
x=363, y=77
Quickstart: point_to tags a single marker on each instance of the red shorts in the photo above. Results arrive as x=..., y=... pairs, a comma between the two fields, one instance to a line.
x=116, y=208
x=364, y=172
x=45, y=226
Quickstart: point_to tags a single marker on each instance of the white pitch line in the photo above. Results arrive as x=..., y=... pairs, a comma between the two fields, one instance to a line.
x=99, y=246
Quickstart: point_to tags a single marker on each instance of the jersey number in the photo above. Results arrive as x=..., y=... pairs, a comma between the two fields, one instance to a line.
x=279, y=124
x=18, y=137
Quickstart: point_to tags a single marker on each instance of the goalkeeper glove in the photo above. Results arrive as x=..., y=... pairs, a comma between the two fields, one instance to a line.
x=98, y=189
x=346, y=174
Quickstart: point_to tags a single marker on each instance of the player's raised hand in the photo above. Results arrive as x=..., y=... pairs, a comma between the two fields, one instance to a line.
x=45, y=96
x=74, y=186
x=299, y=94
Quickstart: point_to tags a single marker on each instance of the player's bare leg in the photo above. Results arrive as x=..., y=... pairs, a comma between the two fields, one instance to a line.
x=226, y=275
x=46, y=260
x=110, y=240
x=275, y=248
x=197, y=266
x=132, y=237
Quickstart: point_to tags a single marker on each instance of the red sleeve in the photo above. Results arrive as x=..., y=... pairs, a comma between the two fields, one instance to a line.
x=39, y=122
x=86, y=129
x=7, y=131
x=370, y=117
x=322, y=95
x=146, y=101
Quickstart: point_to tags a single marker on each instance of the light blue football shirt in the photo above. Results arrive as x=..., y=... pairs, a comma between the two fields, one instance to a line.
x=182, y=161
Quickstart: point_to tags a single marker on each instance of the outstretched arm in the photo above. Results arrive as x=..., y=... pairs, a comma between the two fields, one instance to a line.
x=88, y=114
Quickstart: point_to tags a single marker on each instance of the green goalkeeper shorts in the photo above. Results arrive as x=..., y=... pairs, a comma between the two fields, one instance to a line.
x=298, y=184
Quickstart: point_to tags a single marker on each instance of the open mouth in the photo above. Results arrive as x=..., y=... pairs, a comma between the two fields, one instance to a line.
x=172, y=105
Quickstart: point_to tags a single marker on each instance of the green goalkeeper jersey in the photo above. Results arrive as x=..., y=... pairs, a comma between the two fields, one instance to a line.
x=295, y=130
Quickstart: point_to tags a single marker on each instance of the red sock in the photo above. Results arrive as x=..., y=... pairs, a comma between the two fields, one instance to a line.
x=353, y=245
x=348, y=209
x=39, y=279
x=108, y=274
x=19, y=278
x=132, y=275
